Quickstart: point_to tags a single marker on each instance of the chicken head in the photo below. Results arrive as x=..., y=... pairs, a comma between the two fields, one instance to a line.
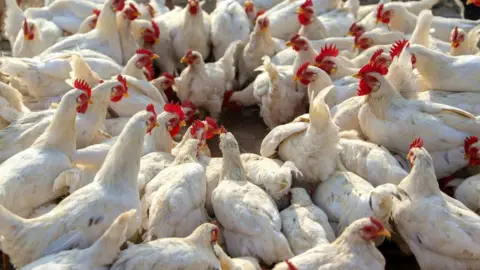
x=458, y=37
x=193, y=7
x=93, y=23
x=368, y=78
x=372, y=228
x=28, y=30
x=326, y=59
x=383, y=15
x=298, y=43
x=362, y=42
x=145, y=58
x=152, y=120
x=192, y=57
x=131, y=12
x=151, y=36
x=380, y=57
x=84, y=98
x=356, y=29
x=119, y=91
x=176, y=122
x=305, y=13
x=471, y=147
x=118, y=5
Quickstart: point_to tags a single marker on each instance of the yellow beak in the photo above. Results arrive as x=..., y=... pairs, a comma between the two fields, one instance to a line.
x=126, y=95
x=385, y=233
x=333, y=70
x=264, y=29
x=182, y=123
x=154, y=56
x=184, y=60
x=469, y=2
x=356, y=46
x=300, y=10
x=296, y=78
x=156, y=41
x=357, y=75
x=169, y=128
x=138, y=14
x=289, y=44
x=377, y=21
x=466, y=156
x=156, y=124
x=90, y=101
x=454, y=44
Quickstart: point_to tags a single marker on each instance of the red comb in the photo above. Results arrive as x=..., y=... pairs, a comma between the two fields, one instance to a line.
x=376, y=54
x=259, y=13
x=122, y=79
x=417, y=143
x=82, y=85
x=353, y=27
x=308, y=3
x=295, y=37
x=302, y=68
x=25, y=26
x=374, y=67
x=455, y=34
x=290, y=265
x=151, y=10
x=211, y=122
x=377, y=223
x=397, y=48
x=144, y=51
x=132, y=6
x=174, y=108
x=189, y=53
x=168, y=76
x=197, y=124
x=97, y=12
x=379, y=11
x=156, y=29
x=469, y=141
x=151, y=108
x=327, y=50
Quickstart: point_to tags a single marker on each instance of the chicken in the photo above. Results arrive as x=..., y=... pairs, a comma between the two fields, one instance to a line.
x=354, y=249
x=399, y=18
x=334, y=65
x=433, y=66
x=385, y=114
x=284, y=22
x=312, y=146
x=304, y=49
x=372, y=162
x=235, y=198
x=205, y=84
x=190, y=30
x=346, y=197
x=193, y=252
x=304, y=224
x=23, y=134
x=37, y=35
x=174, y=208
x=242, y=263
x=440, y=231
x=11, y=105
x=81, y=218
x=43, y=78
x=67, y=14
x=104, y=38
x=462, y=43
x=127, y=40
x=372, y=38
x=260, y=44
x=89, y=23
x=312, y=28
x=229, y=23
x=47, y=163
x=98, y=256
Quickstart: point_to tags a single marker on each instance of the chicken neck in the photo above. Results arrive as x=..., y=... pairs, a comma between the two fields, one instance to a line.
x=60, y=134
x=381, y=100
x=106, y=20
x=232, y=167
x=422, y=180
x=127, y=40
x=131, y=69
x=122, y=163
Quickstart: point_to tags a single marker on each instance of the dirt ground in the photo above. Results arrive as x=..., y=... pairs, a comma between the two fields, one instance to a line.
x=249, y=129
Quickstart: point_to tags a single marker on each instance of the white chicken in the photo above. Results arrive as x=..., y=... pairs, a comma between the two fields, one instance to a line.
x=304, y=224
x=463, y=43
x=40, y=169
x=440, y=231
x=259, y=234
x=102, y=39
x=97, y=257
x=229, y=23
x=174, y=208
x=193, y=252
x=354, y=249
x=388, y=119
x=190, y=30
x=205, y=84
x=444, y=72
x=312, y=28
x=312, y=146
x=81, y=218
x=260, y=44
